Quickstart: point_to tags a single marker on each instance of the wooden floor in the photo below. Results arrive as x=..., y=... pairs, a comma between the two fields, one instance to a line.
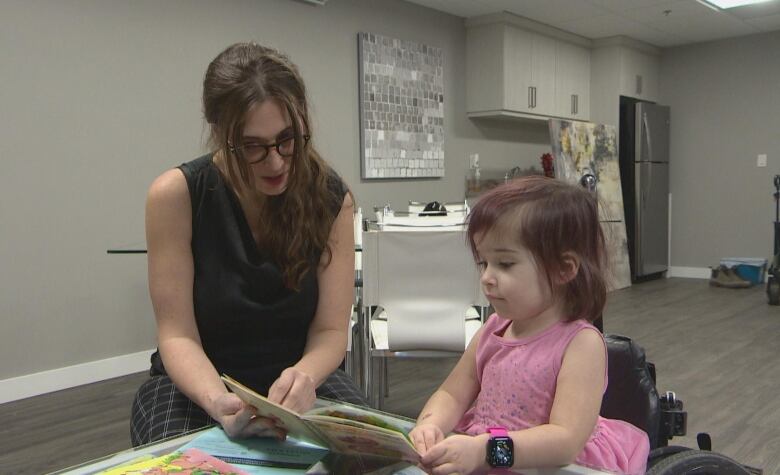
x=716, y=348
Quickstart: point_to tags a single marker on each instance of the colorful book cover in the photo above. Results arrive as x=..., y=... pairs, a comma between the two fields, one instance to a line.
x=182, y=462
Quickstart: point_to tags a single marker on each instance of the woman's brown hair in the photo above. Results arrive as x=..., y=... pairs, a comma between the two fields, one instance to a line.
x=550, y=218
x=296, y=223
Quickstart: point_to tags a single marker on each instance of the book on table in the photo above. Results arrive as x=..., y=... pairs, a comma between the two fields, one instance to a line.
x=340, y=427
x=180, y=462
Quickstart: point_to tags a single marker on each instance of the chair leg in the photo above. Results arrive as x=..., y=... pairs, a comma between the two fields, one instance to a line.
x=348, y=365
x=377, y=383
x=385, y=381
x=368, y=381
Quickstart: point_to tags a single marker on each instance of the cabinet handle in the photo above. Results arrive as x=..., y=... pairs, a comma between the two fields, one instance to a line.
x=576, y=103
x=530, y=97
x=534, y=96
x=573, y=107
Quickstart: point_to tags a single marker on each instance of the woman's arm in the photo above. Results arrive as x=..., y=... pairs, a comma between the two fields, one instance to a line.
x=448, y=404
x=326, y=341
x=171, y=276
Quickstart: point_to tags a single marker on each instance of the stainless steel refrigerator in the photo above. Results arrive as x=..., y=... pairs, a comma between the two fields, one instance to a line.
x=644, y=174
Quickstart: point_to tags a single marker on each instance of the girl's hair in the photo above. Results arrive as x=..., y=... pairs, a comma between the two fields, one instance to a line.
x=549, y=218
x=296, y=223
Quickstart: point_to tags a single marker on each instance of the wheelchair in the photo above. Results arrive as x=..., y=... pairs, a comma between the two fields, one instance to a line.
x=632, y=396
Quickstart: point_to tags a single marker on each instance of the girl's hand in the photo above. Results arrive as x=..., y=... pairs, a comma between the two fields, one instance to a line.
x=294, y=390
x=425, y=436
x=239, y=420
x=461, y=454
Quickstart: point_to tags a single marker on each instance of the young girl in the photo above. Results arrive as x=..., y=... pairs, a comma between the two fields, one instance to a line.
x=528, y=389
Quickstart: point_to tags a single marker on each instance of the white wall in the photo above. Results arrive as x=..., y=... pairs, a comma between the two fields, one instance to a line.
x=100, y=96
x=724, y=100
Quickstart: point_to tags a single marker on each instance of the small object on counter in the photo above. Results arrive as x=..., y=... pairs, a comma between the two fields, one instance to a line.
x=547, y=165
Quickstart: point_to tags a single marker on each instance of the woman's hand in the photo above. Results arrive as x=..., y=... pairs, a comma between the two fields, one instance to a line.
x=294, y=390
x=461, y=454
x=239, y=420
x=425, y=436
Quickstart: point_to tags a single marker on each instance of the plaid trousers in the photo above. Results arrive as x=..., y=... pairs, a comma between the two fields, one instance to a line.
x=160, y=410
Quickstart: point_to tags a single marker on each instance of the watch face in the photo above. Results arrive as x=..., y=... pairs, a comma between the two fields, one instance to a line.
x=500, y=452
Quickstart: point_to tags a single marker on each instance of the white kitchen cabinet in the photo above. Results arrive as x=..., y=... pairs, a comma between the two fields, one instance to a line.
x=621, y=66
x=513, y=71
x=572, y=81
x=639, y=73
x=543, y=74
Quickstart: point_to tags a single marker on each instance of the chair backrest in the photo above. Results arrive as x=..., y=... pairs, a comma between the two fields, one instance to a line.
x=454, y=208
x=425, y=281
x=421, y=223
x=631, y=394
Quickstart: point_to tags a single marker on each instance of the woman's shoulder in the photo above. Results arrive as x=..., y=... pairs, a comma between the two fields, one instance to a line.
x=168, y=206
x=338, y=190
x=336, y=185
x=199, y=165
x=173, y=186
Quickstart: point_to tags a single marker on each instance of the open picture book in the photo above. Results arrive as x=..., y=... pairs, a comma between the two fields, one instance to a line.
x=340, y=427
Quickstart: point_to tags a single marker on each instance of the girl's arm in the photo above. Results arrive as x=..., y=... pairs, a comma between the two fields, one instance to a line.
x=448, y=404
x=326, y=341
x=171, y=276
x=575, y=409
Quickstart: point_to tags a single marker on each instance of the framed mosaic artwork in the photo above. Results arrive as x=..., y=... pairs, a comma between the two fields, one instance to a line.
x=401, y=87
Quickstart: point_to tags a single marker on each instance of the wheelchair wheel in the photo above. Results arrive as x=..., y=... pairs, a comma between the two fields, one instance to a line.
x=661, y=453
x=698, y=462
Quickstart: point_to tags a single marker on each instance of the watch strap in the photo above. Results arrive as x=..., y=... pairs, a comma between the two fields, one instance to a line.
x=497, y=432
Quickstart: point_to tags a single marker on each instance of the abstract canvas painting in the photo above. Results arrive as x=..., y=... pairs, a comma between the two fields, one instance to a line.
x=401, y=108
x=582, y=148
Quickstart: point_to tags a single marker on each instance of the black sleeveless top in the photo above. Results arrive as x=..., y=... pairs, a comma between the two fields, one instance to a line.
x=251, y=325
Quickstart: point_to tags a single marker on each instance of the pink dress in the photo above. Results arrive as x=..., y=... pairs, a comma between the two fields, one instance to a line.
x=517, y=379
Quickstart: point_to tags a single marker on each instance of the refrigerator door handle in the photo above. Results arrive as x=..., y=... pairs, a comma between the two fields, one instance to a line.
x=647, y=136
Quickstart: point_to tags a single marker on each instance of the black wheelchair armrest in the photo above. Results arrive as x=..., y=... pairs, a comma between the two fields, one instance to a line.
x=674, y=420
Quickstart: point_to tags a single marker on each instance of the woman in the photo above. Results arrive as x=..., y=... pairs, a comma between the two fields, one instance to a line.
x=251, y=260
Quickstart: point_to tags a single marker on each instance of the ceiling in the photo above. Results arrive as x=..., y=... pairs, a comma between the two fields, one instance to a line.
x=661, y=23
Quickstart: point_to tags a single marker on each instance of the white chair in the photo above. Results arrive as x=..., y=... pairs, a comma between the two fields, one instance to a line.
x=355, y=350
x=421, y=223
x=352, y=354
x=423, y=287
x=412, y=221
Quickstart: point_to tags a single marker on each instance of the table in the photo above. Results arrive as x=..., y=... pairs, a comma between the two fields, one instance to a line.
x=271, y=457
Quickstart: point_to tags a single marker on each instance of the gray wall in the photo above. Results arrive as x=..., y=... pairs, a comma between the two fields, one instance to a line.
x=99, y=97
x=725, y=99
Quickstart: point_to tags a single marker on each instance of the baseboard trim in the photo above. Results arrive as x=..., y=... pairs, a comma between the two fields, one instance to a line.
x=689, y=272
x=35, y=384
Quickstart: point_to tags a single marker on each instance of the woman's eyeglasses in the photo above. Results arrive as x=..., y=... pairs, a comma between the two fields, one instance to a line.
x=256, y=152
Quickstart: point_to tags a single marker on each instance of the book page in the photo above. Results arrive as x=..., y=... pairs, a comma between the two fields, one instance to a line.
x=347, y=438
x=287, y=419
x=366, y=416
x=353, y=423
